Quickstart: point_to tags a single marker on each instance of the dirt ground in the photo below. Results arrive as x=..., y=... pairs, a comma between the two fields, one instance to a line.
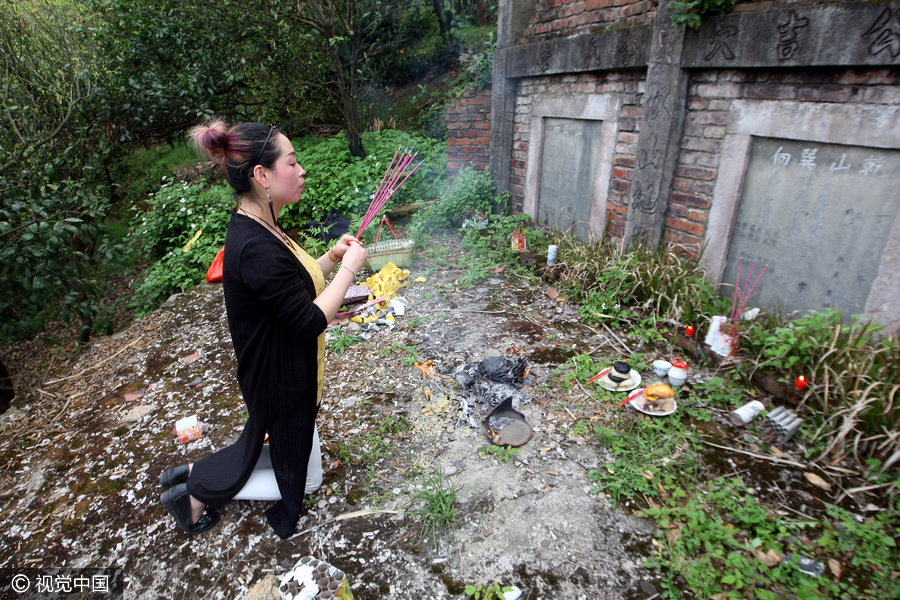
x=80, y=460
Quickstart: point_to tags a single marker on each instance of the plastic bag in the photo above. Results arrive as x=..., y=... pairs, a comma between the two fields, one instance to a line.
x=214, y=273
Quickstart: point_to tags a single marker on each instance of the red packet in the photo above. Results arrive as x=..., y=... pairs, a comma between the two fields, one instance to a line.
x=188, y=429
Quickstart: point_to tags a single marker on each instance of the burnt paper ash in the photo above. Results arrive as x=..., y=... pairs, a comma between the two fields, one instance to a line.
x=487, y=384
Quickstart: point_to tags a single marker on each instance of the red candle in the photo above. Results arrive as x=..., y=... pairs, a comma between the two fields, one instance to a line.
x=800, y=384
x=689, y=330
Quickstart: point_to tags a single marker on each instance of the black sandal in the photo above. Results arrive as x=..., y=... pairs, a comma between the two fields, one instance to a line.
x=177, y=502
x=174, y=476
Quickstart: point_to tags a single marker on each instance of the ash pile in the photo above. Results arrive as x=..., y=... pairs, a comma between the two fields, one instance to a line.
x=485, y=385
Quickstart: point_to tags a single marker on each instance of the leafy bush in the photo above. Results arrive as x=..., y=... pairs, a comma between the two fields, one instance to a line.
x=143, y=172
x=471, y=193
x=179, y=213
x=689, y=12
x=337, y=180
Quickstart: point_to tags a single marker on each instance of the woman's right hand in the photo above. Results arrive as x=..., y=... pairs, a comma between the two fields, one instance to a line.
x=355, y=257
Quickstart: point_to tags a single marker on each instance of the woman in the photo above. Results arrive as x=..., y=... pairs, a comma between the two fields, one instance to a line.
x=278, y=307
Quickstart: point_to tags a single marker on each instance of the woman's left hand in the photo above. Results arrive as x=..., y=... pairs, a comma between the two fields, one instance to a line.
x=337, y=251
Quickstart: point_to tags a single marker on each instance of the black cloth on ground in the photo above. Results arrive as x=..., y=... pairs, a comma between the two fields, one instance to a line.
x=274, y=328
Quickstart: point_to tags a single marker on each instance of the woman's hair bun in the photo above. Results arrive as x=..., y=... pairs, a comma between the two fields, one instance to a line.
x=211, y=139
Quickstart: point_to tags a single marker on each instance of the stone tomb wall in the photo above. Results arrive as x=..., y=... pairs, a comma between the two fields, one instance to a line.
x=685, y=120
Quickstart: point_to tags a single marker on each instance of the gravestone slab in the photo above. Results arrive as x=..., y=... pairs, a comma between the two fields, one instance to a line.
x=819, y=215
x=571, y=150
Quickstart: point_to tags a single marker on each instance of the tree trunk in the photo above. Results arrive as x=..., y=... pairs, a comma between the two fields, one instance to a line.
x=7, y=393
x=351, y=118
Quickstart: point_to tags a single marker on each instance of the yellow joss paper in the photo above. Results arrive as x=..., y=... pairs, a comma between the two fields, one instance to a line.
x=356, y=319
x=387, y=282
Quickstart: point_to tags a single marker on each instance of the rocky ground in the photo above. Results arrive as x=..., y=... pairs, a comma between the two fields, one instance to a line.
x=80, y=459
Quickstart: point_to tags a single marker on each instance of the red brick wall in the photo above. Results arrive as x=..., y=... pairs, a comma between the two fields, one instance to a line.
x=558, y=18
x=469, y=132
x=710, y=95
x=624, y=83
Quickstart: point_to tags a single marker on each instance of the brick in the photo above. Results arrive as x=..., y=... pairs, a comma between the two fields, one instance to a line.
x=696, y=173
x=683, y=225
x=697, y=103
x=698, y=216
x=621, y=185
x=828, y=93
x=453, y=166
x=517, y=180
x=517, y=164
x=627, y=137
x=690, y=200
x=882, y=95
x=619, y=209
x=708, y=160
x=482, y=126
x=693, y=130
x=676, y=210
x=625, y=148
x=769, y=92
x=624, y=161
x=482, y=141
x=722, y=105
x=701, y=145
x=703, y=187
x=631, y=112
x=681, y=184
x=719, y=90
x=715, y=132
x=622, y=173
x=707, y=118
x=704, y=76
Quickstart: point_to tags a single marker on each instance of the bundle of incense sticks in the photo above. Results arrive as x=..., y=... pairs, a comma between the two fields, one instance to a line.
x=389, y=185
x=742, y=296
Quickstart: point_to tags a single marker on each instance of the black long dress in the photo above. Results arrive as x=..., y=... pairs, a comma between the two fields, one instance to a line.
x=274, y=328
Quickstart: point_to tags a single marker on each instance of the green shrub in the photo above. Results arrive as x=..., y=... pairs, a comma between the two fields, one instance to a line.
x=471, y=193
x=178, y=212
x=337, y=180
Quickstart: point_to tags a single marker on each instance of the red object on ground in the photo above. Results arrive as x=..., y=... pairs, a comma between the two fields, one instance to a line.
x=689, y=330
x=800, y=384
x=214, y=273
x=680, y=364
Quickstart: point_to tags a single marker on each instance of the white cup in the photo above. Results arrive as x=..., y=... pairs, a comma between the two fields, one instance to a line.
x=551, y=255
x=677, y=376
x=661, y=367
x=747, y=413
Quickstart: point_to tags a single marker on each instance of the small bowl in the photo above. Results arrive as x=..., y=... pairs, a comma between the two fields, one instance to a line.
x=677, y=376
x=661, y=367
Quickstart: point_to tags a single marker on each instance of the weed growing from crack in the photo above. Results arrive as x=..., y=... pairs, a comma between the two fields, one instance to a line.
x=503, y=454
x=439, y=511
x=341, y=341
x=487, y=592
